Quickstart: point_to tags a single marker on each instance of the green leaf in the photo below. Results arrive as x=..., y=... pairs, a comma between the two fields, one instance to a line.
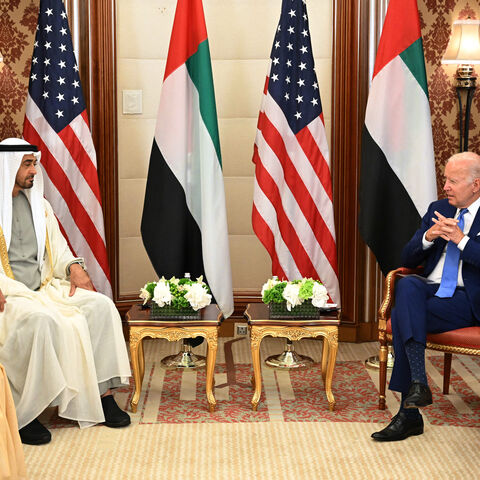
x=275, y=294
x=306, y=290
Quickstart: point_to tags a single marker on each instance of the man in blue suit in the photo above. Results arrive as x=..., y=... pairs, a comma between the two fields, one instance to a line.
x=445, y=298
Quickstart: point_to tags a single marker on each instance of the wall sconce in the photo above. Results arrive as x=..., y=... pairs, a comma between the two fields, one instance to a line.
x=464, y=50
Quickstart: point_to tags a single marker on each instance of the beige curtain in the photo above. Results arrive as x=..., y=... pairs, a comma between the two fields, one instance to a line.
x=12, y=462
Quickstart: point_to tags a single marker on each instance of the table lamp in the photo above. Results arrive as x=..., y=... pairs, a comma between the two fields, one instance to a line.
x=464, y=50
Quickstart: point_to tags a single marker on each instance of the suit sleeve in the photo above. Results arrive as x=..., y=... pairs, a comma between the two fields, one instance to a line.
x=413, y=253
x=471, y=252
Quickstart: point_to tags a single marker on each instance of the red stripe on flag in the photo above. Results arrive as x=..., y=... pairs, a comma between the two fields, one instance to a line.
x=395, y=40
x=300, y=191
x=85, y=118
x=314, y=155
x=189, y=30
x=265, y=235
x=265, y=87
x=63, y=185
x=287, y=230
x=81, y=159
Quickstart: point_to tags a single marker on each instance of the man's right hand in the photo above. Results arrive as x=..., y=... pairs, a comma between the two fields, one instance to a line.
x=444, y=227
x=2, y=301
x=432, y=233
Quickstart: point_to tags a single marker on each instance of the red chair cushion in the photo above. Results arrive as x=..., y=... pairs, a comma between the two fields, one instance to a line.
x=468, y=337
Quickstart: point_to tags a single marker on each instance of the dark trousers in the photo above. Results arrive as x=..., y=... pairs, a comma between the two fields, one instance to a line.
x=417, y=312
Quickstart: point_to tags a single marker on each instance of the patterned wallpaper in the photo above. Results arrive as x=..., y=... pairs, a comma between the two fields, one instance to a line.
x=18, y=20
x=436, y=17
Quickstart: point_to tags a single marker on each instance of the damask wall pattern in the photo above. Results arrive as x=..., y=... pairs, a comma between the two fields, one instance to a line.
x=18, y=19
x=437, y=17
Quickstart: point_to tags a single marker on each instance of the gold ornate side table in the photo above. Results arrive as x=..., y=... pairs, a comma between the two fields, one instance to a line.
x=141, y=326
x=261, y=326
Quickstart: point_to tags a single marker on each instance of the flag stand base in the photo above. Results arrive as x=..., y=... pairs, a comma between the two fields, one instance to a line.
x=289, y=359
x=185, y=359
x=373, y=362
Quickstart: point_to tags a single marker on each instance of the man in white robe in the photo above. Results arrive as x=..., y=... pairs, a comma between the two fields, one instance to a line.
x=61, y=343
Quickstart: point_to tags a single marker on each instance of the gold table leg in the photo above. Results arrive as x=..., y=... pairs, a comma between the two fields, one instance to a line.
x=257, y=374
x=332, y=341
x=211, y=356
x=324, y=358
x=136, y=348
x=141, y=359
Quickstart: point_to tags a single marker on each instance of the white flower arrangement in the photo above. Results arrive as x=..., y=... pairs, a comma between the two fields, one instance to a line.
x=177, y=293
x=294, y=293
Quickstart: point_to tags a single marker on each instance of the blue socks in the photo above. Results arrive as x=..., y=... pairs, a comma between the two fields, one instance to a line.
x=416, y=358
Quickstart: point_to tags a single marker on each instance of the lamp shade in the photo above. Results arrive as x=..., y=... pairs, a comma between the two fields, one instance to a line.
x=464, y=44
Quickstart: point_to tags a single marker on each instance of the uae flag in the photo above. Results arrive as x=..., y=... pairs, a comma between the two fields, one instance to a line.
x=184, y=222
x=398, y=169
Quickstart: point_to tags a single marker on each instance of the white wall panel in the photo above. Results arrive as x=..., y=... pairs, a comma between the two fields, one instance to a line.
x=236, y=141
x=250, y=261
x=135, y=135
x=135, y=267
x=131, y=206
x=239, y=199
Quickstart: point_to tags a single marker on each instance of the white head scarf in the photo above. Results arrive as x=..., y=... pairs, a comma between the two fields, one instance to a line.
x=9, y=165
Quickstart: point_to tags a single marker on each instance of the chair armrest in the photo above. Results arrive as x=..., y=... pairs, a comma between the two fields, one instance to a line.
x=388, y=297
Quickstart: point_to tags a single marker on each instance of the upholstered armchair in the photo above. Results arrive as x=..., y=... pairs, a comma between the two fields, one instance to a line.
x=465, y=341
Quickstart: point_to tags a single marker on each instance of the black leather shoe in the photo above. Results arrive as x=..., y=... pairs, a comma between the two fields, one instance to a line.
x=35, y=434
x=399, y=428
x=115, y=417
x=419, y=395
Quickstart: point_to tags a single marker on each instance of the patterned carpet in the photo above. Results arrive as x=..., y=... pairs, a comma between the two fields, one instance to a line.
x=173, y=396
x=293, y=435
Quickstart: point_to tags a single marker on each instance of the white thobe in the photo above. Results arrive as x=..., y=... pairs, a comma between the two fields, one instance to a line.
x=57, y=349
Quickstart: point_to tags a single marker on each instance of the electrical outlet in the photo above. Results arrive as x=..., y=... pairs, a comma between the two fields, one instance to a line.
x=241, y=329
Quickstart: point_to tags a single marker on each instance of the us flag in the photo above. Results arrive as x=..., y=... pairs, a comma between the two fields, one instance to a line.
x=56, y=121
x=292, y=207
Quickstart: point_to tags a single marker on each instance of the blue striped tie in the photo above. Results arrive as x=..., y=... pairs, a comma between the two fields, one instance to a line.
x=450, y=267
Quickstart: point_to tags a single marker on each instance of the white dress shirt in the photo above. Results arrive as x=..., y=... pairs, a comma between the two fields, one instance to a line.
x=436, y=274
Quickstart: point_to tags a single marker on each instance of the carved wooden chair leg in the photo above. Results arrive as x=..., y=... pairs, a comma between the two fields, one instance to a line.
x=383, y=374
x=447, y=366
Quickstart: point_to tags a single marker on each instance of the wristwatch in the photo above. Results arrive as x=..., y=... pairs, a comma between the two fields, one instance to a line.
x=80, y=261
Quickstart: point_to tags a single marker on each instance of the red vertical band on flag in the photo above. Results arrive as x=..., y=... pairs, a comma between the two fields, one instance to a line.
x=189, y=30
x=394, y=40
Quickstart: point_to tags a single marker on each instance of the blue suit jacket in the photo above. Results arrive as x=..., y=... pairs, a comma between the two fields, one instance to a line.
x=413, y=254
